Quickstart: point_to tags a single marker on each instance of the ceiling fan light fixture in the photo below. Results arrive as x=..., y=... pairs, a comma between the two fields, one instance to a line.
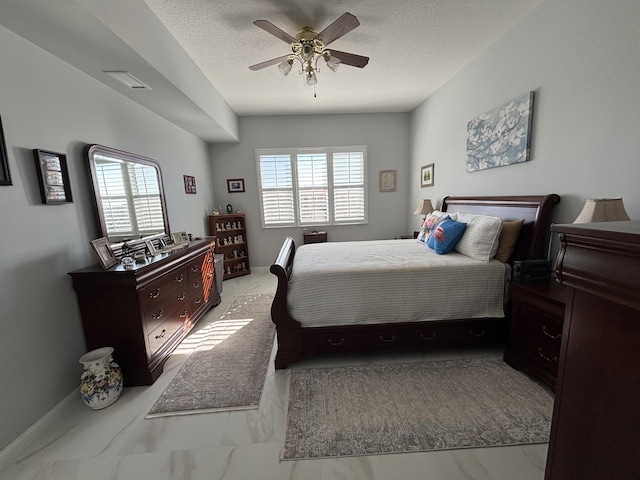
x=332, y=62
x=307, y=52
x=310, y=77
x=285, y=66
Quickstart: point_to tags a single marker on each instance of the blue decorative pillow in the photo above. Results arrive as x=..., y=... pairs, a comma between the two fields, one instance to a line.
x=446, y=236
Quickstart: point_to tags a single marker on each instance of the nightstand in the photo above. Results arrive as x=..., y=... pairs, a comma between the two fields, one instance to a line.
x=537, y=317
x=314, y=237
x=406, y=237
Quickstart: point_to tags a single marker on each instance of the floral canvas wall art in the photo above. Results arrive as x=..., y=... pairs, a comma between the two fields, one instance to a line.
x=502, y=136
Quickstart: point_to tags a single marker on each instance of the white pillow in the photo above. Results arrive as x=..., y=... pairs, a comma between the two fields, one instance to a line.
x=480, y=239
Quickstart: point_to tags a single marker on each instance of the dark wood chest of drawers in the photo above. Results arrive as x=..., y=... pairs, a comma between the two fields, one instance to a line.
x=537, y=316
x=596, y=420
x=145, y=312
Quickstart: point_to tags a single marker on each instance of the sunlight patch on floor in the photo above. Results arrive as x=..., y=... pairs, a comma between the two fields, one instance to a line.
x=208, y=337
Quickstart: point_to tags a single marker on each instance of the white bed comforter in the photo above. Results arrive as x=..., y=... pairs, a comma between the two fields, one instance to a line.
x=383, y=281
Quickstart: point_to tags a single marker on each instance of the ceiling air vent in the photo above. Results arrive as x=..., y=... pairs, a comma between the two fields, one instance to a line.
x=129, y=80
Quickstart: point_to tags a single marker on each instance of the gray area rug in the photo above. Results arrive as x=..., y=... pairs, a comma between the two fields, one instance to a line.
x=412, y=407
x=227, y=370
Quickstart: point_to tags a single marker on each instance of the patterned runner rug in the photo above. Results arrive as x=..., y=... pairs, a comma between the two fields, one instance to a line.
x=412, y=407
x=228, y=368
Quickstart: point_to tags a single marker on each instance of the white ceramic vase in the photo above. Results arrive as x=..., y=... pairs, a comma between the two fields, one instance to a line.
x=101, y=381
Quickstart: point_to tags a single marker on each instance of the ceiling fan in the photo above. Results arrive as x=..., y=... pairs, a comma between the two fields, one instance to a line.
x=308, y=47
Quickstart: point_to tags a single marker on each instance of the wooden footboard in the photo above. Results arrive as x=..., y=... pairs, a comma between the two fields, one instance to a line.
x=288, y=330
x=295, y=342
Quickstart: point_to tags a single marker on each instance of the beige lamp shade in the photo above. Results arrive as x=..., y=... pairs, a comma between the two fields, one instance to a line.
x=602, y=210
x=424, y=207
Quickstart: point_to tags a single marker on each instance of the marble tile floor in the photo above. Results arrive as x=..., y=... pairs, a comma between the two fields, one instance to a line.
x=118, y=443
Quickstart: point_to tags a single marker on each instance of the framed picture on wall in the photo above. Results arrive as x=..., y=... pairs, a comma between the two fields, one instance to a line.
x=426, y=175
x=387, y=180
x=5, y=176
x=53, y=177
x=235, y=185
x=189, y=184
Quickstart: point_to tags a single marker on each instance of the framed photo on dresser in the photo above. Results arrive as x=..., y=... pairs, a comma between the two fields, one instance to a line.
x=105, y=254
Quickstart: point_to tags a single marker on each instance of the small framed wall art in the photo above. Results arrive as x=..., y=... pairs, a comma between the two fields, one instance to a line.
x=235, y=185
x=189, y=184
x=426, y=175
x=105, y=254
x=53, y=177
x=5, y=176
x=387, y=180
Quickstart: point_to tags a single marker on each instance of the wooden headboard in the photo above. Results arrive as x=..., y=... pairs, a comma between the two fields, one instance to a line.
x=535, y=210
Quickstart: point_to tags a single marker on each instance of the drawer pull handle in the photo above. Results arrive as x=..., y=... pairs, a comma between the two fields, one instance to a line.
x=157, y=315
x=196, y=285
x=155, y=294
x=428, y=337
x=544, y=330
x=553, y=359
x=183, y=314
x=158, y=337
x=474, y=334
x=179, y=279
x=182, y=296
x=195, y=268
x=390, y=339
x=334, y=343
x=197, y=301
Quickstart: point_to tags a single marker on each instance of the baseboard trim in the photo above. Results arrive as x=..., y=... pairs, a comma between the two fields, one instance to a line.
x=17, y=448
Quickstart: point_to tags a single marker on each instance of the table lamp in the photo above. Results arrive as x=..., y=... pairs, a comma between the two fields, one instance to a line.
x=424, y=208
x=602, y=210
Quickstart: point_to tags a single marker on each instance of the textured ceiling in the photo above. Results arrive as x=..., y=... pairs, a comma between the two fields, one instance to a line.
x=414, y=46
x=195, y=54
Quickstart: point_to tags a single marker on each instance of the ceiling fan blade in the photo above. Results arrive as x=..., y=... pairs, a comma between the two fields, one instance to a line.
x=275, y=31
x=268, y=63
x=350, y=58
x=342, y=25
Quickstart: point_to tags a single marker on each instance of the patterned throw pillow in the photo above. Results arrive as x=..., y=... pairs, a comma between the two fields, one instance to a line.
x=430, y=223
x=446, y=236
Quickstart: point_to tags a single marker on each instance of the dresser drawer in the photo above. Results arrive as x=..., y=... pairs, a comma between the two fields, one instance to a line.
x=163, y=290
x=349, y=341
x=157, y=338
x=531, y=322
x=429, y=335
x=538, y=353
x=177, y=308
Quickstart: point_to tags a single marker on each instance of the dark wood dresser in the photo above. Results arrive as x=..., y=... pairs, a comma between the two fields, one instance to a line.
x=145, y=312
x=595, y=433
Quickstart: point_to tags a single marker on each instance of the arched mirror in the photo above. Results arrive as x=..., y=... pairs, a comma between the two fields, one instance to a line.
x=128, y=194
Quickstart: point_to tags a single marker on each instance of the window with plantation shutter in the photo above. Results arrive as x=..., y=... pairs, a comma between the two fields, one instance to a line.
x=312, y=187
x=131, y=200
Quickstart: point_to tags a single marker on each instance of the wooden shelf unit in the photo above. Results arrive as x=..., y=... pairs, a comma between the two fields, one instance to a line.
x=230, y=231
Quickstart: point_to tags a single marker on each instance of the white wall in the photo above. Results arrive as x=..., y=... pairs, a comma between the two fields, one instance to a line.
x=386, y=137
x=45, y=103
x=582, y=59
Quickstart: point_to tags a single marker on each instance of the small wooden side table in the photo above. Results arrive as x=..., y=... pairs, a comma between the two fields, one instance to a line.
x=314, y=237
x=536, y=329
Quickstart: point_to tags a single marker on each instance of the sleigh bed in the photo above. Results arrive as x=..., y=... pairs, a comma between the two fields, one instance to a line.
x=376, y=295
